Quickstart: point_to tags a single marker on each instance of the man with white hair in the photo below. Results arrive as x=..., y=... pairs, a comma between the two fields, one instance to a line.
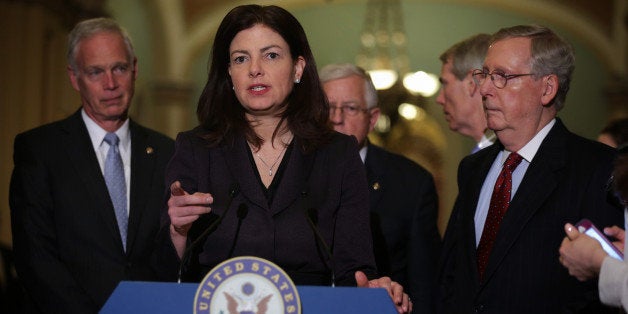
x=86, y=191
x=403, y=199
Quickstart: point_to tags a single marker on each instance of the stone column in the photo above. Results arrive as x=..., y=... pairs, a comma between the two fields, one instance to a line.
x=169, y=107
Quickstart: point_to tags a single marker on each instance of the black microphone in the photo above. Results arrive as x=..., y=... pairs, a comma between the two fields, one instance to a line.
x=243, y=210
x=312, y=218
x=233, y=191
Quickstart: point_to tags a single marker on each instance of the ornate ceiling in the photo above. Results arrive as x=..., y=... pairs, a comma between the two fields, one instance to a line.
x=184, y=24
x=599, y=12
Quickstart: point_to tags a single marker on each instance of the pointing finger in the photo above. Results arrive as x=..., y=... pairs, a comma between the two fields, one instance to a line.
x=176, y=189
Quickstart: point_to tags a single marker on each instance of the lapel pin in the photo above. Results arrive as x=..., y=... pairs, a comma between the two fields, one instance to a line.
x=149, y=150
x=376, y=186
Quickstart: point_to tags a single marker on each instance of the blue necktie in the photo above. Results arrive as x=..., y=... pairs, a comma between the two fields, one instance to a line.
x=116, y=184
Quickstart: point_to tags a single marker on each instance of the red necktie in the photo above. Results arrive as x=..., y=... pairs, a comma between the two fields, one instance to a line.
x=500, y=200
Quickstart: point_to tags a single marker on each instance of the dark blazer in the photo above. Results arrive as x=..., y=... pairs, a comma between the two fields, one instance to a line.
x=68, y=249
x=565, y=182
x=404, y=211
x=331, y=180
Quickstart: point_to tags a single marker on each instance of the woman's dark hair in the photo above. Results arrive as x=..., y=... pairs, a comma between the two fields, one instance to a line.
x=219, y=111
x=618, y=131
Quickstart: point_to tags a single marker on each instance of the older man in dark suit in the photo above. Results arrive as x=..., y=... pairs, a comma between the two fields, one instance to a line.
x=459, y=95
x=515, y=196
x=87, y=191
x=403, y=200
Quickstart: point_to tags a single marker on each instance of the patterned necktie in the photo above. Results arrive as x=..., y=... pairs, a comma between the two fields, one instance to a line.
x=116, y=184
x=500, y=200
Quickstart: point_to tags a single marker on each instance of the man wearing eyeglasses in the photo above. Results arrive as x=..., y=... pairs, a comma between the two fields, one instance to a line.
x=515, y=196
x=403, y=200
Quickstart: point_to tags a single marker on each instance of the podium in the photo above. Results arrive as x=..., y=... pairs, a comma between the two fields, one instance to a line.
x=161, y=297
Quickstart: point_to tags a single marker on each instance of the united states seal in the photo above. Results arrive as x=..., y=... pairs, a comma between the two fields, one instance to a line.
x=247, y=285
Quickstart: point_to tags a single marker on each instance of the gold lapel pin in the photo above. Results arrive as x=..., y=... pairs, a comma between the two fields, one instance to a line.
x=376, y=186
x=149, y=150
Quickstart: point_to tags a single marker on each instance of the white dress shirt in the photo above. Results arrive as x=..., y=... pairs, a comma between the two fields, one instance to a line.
x=97, y=135
x=527, y=152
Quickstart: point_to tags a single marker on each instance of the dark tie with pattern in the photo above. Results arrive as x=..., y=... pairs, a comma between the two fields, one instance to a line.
x=116, y=184
x=500, y=200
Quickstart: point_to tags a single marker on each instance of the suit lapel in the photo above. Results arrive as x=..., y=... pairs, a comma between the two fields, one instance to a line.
x=294, y=179
x=375, y=164
x=82, y=157
x=292, y=182
x=142, y=168
x=539, y=181
x=482, y=162
x=237, y=158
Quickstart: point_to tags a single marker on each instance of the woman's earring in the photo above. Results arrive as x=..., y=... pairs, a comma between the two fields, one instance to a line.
x=233, y=87
x=297, y=80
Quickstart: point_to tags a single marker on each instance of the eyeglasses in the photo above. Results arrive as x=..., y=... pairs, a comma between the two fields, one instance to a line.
x=349, y=110
x=499, y=79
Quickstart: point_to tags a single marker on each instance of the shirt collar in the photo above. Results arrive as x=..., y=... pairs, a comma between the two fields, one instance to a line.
x=363, y=153
x=488, y=138
x=532, y=147
x=97, y=134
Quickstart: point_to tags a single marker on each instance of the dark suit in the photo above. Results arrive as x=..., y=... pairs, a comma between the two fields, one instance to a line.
x=404, y=210
x=565, y=182
x=68, y=249
x=331, y=180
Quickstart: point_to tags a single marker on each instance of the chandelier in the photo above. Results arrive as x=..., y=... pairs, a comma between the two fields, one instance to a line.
x=383, y=50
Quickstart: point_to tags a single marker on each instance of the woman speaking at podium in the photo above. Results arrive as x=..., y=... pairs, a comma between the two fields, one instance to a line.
x=264, y=174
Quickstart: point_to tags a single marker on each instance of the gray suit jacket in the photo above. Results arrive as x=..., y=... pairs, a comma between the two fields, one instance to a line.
x=613, y=281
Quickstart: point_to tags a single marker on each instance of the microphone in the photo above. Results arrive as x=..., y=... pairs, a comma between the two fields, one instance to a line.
x=243, y=210
x=233, y=191
x=312, y=218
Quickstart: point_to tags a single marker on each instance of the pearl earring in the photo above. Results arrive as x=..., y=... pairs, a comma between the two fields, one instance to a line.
x=297, y=80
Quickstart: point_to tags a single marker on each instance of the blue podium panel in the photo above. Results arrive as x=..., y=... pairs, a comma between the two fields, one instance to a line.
x=161, y=297
x=151, y=297
x=316, y=299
